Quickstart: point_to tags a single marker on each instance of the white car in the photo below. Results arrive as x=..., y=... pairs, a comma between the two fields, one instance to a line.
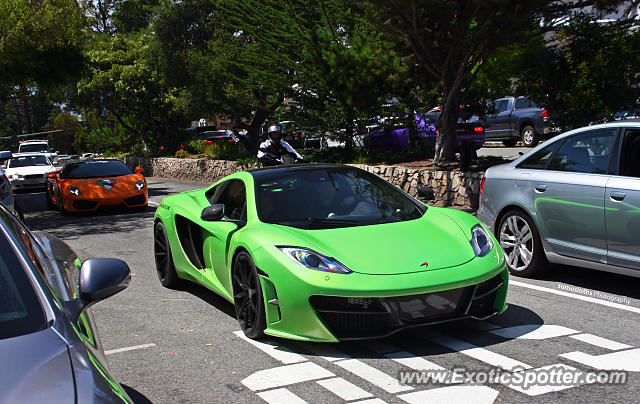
x=6, y=194
x=29, y=170
x=38, y=146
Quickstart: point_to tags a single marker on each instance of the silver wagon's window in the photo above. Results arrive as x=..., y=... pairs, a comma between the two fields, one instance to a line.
x=585, y=153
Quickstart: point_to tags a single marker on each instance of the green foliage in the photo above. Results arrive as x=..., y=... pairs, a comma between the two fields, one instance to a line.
x=182, y=154
x=196, y=146
x=71, y=127
x=589, y=72
x=40, y=41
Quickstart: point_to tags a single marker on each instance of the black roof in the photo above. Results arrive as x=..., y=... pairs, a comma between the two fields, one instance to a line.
x=258, y=172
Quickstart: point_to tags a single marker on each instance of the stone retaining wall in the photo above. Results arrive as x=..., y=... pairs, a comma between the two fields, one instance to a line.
x=453, y=188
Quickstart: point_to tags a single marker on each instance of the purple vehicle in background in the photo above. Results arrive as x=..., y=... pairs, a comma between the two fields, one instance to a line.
x=426, y=128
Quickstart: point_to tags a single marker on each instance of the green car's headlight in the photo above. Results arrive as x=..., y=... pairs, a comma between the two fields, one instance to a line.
x=480, y=241
x=313, y=260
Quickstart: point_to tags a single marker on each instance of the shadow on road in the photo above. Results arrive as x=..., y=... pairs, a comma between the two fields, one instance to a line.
x=208, y=296
x=595, y=280
x=135, y=395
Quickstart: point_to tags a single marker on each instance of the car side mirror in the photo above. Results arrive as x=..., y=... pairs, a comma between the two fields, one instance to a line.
x=139, y=170
x=100, y=278
x=213, y=213
x=426, y=194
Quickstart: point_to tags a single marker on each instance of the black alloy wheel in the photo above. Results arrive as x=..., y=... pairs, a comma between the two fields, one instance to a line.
x=164, y=262
x=247, y=296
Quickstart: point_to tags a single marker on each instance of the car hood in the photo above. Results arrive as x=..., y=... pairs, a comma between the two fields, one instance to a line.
x=395, y=248
x=35, y=368
x=106, y=185
x=30, y=170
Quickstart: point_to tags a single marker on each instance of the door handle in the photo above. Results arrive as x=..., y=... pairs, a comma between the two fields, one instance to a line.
x=541, y=187
x=618, y=196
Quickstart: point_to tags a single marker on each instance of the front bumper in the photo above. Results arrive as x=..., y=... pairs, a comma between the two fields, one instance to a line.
x=28, y=183
x=80, y=204
x=310, y=305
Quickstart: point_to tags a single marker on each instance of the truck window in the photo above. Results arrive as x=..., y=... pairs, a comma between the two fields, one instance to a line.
x=502, y=105
x=524, y=102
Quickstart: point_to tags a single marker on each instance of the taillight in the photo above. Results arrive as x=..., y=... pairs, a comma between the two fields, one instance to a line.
x=482, y=184
x=231, y=140
x=478, y=129
x=208, y=141
x=546, y=113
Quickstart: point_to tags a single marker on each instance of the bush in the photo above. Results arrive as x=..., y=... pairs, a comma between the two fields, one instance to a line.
x=225, y=151
x=182, y=154
x=196, y=146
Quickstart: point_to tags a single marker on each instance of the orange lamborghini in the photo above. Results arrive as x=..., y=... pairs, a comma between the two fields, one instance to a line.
x=83, y=186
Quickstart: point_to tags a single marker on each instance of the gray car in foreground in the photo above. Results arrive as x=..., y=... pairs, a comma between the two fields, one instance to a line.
x=49, y=348
x=573, y=200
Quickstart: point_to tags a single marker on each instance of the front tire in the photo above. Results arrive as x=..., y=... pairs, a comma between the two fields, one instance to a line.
x=529, y=136
x=164, y=261
x=50, y=204
x=247, y=296
x=521, y=244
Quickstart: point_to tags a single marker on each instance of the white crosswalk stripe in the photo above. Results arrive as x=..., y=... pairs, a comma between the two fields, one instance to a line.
x=453, y=395
x=285, y=375
x=601, y=342
x=279, y=353
x=373, y=376
x=533, y=331
x=344, y=389
x=481, y=354
x=279, y=396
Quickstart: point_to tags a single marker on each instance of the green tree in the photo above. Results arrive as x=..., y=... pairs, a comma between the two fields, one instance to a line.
x=70, y=127
x=588, y=72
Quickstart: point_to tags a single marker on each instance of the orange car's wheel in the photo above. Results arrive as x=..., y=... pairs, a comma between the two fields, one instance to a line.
x=50, y=204
x=61, y=205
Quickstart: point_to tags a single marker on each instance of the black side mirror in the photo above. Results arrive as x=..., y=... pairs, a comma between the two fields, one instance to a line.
x=100, y=278
x=213, y=213
x=426, y=193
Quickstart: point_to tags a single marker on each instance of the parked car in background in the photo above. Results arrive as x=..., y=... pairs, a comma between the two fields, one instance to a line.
x=512, y=119
x=6, y=193
x=214, y=136
x=38, y=146
x=426, y=128
x=29, y=170
x=5, y=156
x=49, y=345
x=573, y=200
x=299, y=139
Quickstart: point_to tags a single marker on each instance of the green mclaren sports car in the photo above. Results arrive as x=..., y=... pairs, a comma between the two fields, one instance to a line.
x=327, y=253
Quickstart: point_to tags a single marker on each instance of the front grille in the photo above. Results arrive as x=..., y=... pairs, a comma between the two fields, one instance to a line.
x=432, y=306
x=33, y=177
x=80, y=204
x=135, y=200
x=357, y=317
x=484, y=296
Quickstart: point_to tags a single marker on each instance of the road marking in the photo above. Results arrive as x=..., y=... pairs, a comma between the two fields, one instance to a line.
x=285, y=376
x=481, y=354
x=533, y=331
x=601, y=342
x=129, y=348
x=574, y=296
x=153, y=203
x=326, y=352
x=372, y=401
x=281, y=354
x=280, y=396
x=453, y=395
x=621, y=360
x=344, y=389
x=538, y=389
x=373, y=376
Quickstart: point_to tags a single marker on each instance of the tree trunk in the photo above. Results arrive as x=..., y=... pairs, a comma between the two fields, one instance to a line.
x=27, y=114
x=446, y=140
x=448, y=122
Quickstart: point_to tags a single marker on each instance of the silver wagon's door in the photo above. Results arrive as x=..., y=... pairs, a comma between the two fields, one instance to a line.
x=622, y=204
x=568, y=198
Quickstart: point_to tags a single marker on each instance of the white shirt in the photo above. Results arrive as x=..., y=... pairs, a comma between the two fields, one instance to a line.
x=287, y=146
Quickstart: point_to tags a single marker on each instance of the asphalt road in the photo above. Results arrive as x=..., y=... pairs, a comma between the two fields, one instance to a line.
x=183, y=346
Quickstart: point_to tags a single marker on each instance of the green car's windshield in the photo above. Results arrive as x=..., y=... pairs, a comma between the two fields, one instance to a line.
x=330, y=197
